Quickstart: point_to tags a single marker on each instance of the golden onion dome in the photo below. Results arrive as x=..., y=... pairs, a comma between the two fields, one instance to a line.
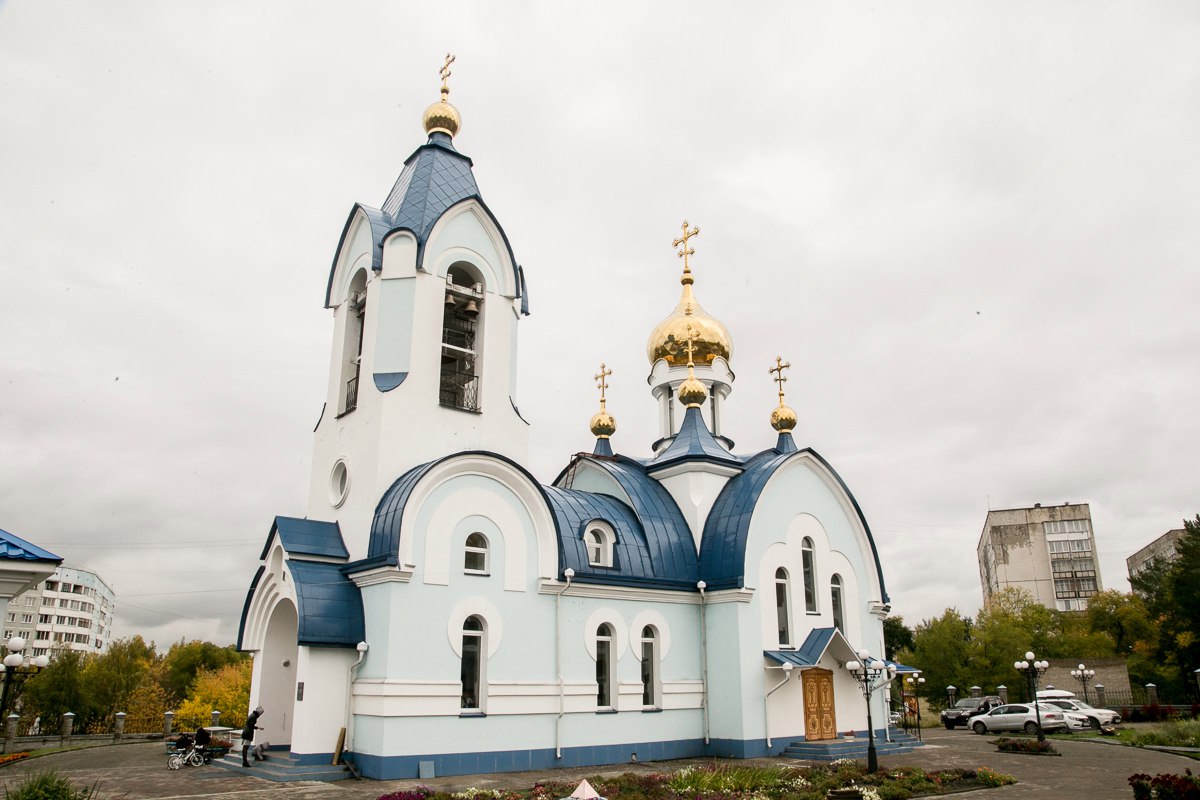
x=783, y=419
x=667, y=340
x=603, y=424
x=441, y=117
x=692, y=392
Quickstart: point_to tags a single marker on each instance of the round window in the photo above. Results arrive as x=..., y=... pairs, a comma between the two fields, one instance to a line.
x=339, y=483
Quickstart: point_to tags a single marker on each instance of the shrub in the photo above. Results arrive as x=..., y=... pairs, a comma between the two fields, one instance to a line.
x=991, y=778
x=1165, y=786
x=1009, y=745
x=48, y=785
x=1176, y=733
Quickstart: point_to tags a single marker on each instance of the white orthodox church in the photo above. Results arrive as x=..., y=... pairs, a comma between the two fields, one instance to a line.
x=439, y=610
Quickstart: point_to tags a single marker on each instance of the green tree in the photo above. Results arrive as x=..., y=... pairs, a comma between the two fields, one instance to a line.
x=186, y=659
x=111, y=677
x=56, y=690
x=939, y=650
x=896, y=636
x=226, y=689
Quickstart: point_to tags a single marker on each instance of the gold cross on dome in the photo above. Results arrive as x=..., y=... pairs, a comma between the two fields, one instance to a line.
x=691, y=346
x=682, y=243
x=445, y=73
x=602, y=382
x=780, y=366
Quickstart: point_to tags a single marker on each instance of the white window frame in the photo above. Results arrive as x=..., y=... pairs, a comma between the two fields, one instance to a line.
x=599, y=541
x=651, y=664
x=808, y=563
x=783, y=607
x=481, y=666
x=606, y=642
x=477, y=550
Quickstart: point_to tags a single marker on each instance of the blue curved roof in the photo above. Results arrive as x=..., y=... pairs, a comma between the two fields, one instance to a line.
x=670, y=547
x=307, y=537
x=328, y=605
x=435, y=178
x=384, y=543
x=723, y=548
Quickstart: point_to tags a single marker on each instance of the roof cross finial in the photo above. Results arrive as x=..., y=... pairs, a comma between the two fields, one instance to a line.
x=602, y=382
x=691, y=347
x=780, y=366
x=685, y=251
x=446, y=73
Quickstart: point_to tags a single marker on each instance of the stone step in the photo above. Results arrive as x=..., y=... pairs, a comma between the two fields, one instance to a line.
x=282, y=766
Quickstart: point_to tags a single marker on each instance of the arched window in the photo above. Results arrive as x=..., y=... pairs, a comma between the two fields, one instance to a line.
x=459, y=386
x=810, y=575
x=599, y=547
x=781, y=607
x=604, y=665
x=651, y=682
x=352, y=343
x=475, y=556
x=835, y=602
x=472, y=663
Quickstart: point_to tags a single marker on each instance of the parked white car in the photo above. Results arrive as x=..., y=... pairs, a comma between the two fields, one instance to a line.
x=1021, y=717
x=1095, y=716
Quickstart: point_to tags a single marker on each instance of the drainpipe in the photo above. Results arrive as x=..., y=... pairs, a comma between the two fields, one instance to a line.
x=352, y=673
x=568, y=573
x=701, y=585
x=787, y=673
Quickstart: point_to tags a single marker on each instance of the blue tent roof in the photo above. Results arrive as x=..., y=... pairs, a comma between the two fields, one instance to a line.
x=694, y=442
x=809, y=653
x=14, y=547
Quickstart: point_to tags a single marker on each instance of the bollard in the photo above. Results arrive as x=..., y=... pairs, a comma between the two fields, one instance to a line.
x=1151, y=694
x=119, y=728
x=976, y=691
x=1002, y=692
x=952, y=693
x=216, y=718
x=1101, y=695
x=10, y=732
x=68, y=725
x=168, y=718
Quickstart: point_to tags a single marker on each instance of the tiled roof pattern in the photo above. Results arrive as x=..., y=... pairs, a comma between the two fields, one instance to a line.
x=329, y=605
x=307, y=537
x=435, y=177
x=694, y=442
x=16, y=548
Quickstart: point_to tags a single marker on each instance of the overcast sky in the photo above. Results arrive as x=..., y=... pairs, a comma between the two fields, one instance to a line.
x=971, y=228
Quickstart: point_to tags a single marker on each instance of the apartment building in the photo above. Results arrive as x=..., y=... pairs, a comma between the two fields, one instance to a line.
x=72, y=608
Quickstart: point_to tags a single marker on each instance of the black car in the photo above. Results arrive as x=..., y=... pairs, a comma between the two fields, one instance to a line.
x=962, y=711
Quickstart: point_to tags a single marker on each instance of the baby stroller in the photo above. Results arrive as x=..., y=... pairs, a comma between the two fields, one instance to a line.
x=191, y=750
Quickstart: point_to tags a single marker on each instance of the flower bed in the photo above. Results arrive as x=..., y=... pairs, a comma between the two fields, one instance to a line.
x=11, y=757
x=724, y=781
x=1165, y=787
x=1030, y=746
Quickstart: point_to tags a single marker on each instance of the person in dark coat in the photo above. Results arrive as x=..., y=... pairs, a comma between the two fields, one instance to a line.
x=248, y=734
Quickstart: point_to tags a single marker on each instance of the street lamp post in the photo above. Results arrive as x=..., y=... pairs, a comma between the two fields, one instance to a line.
x=14, y=669
x=1033, y=670
x=914, y=682
x=1083, y=675
x=868, y=672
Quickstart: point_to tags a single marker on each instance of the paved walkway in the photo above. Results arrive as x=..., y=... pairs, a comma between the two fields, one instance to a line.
x=1087, y=770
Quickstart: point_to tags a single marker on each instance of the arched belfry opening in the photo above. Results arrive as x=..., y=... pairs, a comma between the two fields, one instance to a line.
x=352, y=343
x=462, y=339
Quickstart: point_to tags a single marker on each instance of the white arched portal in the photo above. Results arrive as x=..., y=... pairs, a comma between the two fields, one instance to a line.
x=277, y=675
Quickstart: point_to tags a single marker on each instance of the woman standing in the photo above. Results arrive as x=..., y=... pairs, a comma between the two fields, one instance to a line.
x=248, y=733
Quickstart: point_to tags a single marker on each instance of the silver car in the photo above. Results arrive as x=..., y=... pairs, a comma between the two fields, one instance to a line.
x=1020, y=717
x=1096, y=716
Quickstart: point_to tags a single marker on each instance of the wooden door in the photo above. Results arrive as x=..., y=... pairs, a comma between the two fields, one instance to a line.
x=819, y=719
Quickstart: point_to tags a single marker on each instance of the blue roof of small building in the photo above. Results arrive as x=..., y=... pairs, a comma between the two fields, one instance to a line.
x=435, y=178
x=328, y=604
x=694, y=442
x=309, y=537
x=723, y=548
x=809, y=653
x=14, y=547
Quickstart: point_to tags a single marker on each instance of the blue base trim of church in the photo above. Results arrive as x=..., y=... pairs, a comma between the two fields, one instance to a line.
x=445, y=764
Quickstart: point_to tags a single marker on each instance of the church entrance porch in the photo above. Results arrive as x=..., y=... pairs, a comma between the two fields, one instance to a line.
x=820, y=721
x=275, y=676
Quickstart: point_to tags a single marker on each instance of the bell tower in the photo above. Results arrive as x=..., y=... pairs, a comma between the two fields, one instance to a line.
x=426, y=297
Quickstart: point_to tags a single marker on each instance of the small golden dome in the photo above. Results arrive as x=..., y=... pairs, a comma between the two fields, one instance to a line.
x=692, y=392
x=603, y=425
x=783, y=419
x=441, y=117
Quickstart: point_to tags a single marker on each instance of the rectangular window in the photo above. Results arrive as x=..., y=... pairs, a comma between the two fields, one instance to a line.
x=781, y=612
x=648, y=699
x=31, y=601
x=603, y=692
x=469, y=674
x=27, y=618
